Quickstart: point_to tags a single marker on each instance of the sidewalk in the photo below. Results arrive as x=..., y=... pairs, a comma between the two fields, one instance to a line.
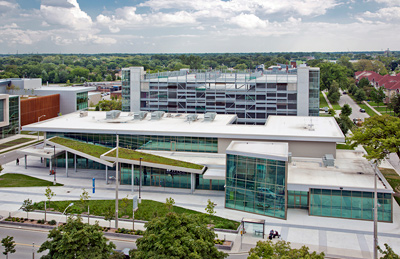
x=372, y=108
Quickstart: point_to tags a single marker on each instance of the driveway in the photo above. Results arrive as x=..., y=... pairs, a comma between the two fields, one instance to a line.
x=344, y=98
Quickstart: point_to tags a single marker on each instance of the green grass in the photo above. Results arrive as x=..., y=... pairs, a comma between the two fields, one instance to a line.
x=367, y=109
x=322, y=101
x=9, y=150
x=344, y=146
x=148, y=210
x=393, y=179
x=135, y=155
x=15, y=142
x=90, y=149
x=26, y=132
x=21, y=180
x=336, y=106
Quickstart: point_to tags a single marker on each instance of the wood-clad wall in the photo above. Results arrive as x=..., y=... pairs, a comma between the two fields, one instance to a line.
x=33, y=108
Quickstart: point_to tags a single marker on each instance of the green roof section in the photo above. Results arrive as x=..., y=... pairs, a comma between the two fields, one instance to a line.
x=150, y=158
x=90, y=149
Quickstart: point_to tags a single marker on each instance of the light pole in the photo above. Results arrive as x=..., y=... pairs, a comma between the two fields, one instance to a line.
x=38, y=121
x=116, y=185
x=71, y=204
x=375, y=213
x=140, y=179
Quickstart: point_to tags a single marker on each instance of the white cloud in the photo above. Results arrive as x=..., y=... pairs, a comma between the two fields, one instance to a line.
x=389, y=13
x=389, y=2
x=249, y=21
x=67, y=14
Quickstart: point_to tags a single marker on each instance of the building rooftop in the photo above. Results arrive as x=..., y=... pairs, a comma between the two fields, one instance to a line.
x=266, y=150
x=66, y=88
x=284, y=128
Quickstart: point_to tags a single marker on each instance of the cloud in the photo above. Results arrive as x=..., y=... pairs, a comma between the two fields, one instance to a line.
x=388, y=14
x=66, y=13
x=7, y=6
x=15, y=36
x=58, y=3
x=389, y=2
x=249, y=21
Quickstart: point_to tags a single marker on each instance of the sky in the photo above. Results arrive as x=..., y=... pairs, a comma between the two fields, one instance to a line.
x=197, y=26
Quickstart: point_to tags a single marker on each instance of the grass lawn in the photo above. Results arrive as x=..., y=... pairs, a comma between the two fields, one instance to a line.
x=344, y=146
x=322, y=101
x=393, y=179
x=15, y=142
x=21, y=180
x=25, y=132
x=336, y=106
x=9, y=150
x=367, y=109
x=135, y=155
x=90, y=149
x=148, y=210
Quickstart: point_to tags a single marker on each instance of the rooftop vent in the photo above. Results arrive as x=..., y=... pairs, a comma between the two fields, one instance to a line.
x=328, y=160
x=114, y=114
x=157, y=115
x=209, y=116
x=191, y=117
x=83, y=114
x=139, y=115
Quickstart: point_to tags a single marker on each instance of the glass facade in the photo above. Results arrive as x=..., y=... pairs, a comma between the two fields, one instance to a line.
x=350, y=204
x=313, y=93
x=298, y=200
x=82, y=101
x=256, y=185
x=2, y=109
x=126, y=90
x=167, y=143
x=13, y=113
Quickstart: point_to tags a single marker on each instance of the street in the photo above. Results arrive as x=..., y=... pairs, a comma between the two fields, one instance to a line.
x=25, y=237
x=345, y=98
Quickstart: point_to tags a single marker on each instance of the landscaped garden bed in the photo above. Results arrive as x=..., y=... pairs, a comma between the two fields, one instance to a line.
x=21, y=180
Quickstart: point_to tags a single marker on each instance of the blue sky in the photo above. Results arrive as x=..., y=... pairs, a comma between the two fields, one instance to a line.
x=197, y=26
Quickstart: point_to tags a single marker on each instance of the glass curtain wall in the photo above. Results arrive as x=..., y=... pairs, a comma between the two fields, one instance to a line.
x=298, y=200
x=256, y=185
x=167, y=143
x=13, y=113
x=82, y=101
x=313, y=93
x=2, y=108
x=208, y=184
x=350, y=204
x=126, y=90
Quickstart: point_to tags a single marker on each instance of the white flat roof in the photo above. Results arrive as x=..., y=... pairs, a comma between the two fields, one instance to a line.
x=351, y=171
x=266, y=150
x=282, y=128
x=66, y=88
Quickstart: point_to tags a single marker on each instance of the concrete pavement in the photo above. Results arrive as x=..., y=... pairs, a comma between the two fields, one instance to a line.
x=346, y=99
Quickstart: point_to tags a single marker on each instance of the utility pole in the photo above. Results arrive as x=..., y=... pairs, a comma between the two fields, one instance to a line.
x=375, y=213
x=116, y=185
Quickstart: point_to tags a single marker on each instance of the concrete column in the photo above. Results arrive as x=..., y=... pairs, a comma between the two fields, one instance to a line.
x=66, y=162
x=26, y=162
x=51, y=164
x=192, y=182
x=106, y=174
x=132, y=180
x=75, y=162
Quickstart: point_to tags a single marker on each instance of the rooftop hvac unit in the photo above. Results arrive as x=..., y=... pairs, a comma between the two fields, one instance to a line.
x=83, y=114
x=114, y=114
x=191, y=117
x=328, y=160
x=157, y=115
x=209, y=116
x=139, y=115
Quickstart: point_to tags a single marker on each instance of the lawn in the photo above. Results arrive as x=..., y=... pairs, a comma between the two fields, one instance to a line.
x=344, y=146
x=90, y=149
x=322, y=101
x=336, y=106
x=15, y=142
x=135, y=155
x=21, y=180
x=367, y=109
x=147, y=210
x=9, y=150
x=393, y=179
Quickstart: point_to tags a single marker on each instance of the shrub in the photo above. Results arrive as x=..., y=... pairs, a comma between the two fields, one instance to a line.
x=52, y=222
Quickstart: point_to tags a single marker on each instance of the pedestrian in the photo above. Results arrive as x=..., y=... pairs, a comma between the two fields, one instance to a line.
x=276, y=234
x=17, y=161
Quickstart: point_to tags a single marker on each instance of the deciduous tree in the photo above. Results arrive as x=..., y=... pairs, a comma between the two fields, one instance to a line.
x=27, y=206
x=281, y=249
x=9, y=245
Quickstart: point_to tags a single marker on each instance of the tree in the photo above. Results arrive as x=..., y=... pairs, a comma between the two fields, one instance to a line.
x=76, y=239
x=333, y=93
x=344, y=123
x=169, y=203
x=84, y=197
x=363, y=82
x=282, y=249
x=177, y=236
x=124, y=204
x=27, y=206
x=109, y=215
x=380, y=134
x=378, y=95
x=346, y=110
x=360, y=95
x=388, y=253
x=109, y=105
x=9, y=245
x=396, y=104
x=49, y=194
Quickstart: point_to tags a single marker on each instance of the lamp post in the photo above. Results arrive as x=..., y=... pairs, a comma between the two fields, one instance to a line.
x=375, y=213
x=71, y=204
x=38, y=121
x=140, y=179
x=116, y=185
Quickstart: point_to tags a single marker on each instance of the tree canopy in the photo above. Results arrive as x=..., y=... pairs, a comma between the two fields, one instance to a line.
x=177, y=236
x=380, y=134
x=76, y=239
x=281, y=249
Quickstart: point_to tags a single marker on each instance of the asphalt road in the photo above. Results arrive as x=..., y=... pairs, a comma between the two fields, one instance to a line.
x=25, y=237
x=344, y=98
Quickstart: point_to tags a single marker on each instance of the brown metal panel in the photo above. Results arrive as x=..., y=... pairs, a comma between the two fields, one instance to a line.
x=33, y=108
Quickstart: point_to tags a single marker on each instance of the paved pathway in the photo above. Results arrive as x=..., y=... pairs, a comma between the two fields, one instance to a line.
x=372, y=108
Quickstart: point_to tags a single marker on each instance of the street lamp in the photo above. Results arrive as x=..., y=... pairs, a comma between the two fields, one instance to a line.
x=38, y=121
x=71, y=204
x=140, y=179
